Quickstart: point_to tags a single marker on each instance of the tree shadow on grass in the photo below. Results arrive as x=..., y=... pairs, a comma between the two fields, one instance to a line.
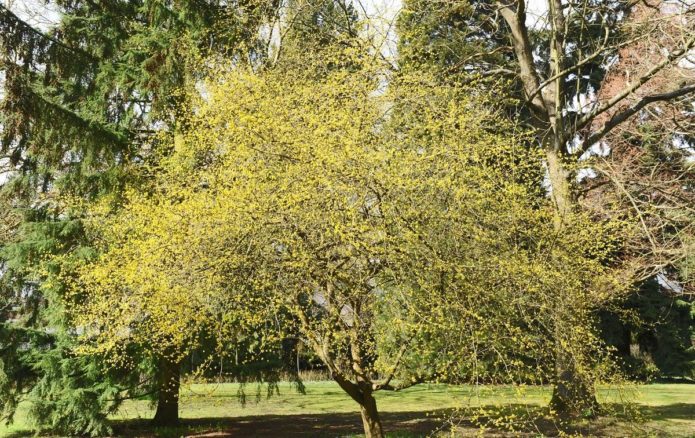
x=410, y=424
x=399, y=424
x=618, y=420
x=676, y=411
x=531, y=421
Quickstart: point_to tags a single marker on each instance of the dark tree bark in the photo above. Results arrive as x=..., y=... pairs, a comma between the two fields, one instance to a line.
x=363, y=393
x=169, y=382
x=573, y=396
x=370, y=416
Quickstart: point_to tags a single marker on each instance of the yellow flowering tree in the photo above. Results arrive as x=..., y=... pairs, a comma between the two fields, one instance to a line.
x=397, y=229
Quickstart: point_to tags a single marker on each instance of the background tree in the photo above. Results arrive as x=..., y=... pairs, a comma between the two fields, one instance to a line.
x=548, y=94
x=560, y=56
x=310, y=27
x=652, y=333
x=649, y=172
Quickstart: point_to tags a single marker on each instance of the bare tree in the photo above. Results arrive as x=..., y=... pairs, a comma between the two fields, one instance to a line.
x=650, y=171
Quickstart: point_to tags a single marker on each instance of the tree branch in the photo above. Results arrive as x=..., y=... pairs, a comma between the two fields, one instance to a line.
x=589, y=117
x=387, y=383
x=622, y=116
x=404, y=385
x=516, y=20
x=7, y=14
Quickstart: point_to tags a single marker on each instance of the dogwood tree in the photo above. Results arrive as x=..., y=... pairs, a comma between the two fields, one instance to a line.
x=395, y=228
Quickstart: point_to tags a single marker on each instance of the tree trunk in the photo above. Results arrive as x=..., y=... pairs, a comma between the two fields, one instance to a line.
x=573, y=395
x=561, y=193
x=363, y=394
x=370, y=416
x=169, y=382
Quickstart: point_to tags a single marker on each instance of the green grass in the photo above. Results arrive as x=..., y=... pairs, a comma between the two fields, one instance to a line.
x=666, y=409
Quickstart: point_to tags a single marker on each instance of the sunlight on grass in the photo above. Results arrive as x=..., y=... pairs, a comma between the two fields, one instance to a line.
x=669, y=406
x=221, y=400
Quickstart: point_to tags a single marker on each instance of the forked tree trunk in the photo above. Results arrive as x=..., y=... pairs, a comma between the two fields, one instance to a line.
x=363, y=394
x=169, y=382
x=370, y=416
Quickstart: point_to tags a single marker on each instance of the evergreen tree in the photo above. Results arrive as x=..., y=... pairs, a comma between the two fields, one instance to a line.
x=81, y=103
x=440, y=37
x=652, y=333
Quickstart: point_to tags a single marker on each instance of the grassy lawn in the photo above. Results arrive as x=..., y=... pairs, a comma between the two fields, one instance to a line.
x=214, y=410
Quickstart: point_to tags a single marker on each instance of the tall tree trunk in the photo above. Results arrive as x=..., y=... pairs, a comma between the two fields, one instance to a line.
x=561, y=193
x=573, y=394
x=370, y=416
x=169, y=382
